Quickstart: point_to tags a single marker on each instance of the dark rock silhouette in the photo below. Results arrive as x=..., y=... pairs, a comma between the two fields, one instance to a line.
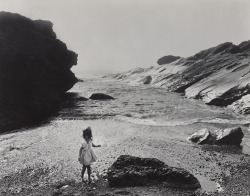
x=100, y=96
x=167, y=59
x=229, y=136
x=134, y=171
x=34, y=70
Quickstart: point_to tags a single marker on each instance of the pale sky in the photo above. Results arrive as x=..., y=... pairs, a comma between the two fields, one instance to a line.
x=118, y=35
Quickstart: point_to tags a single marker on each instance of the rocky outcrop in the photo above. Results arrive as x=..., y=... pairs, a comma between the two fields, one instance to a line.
x=34, y=70
x=100, y=96
x=229, y=136
x=219, y=76
x=167, y=59
x=134, y=171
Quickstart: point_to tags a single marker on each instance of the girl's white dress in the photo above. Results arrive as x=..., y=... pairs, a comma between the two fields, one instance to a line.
x=88, y=156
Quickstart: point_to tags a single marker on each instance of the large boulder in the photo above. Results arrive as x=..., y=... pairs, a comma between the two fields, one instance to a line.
x=100, y=96
x=34, y=70
x=134, y=171
x=229, y=136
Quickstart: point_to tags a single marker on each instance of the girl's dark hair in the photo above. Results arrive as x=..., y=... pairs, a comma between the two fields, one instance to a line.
x=87, y=134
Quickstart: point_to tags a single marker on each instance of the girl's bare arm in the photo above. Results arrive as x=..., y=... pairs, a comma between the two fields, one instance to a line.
x=95, y=145
x=80, y=152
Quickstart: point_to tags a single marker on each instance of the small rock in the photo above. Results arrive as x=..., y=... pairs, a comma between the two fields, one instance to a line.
x=65, y=186
x=200, y=137
x=146, y=80
x=19, y=190
x=95, y=176
x=100, y=96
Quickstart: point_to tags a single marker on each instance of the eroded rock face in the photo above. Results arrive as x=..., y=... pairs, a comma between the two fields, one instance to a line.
x=219, y=75
x=100, y=96
x=34, y=70
x=229, y=136
x=134, y=171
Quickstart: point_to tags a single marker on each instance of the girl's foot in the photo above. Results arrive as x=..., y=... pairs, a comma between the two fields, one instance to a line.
x=89, y=182
x=84, y=181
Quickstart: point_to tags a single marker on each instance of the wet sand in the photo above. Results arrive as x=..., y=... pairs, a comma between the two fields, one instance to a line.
x=53, y=149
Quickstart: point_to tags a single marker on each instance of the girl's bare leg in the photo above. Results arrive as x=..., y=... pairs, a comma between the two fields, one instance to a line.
x=89, y=172
x=83, y=171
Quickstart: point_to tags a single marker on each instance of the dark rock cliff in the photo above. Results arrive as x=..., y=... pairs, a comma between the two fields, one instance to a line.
x=34, y=70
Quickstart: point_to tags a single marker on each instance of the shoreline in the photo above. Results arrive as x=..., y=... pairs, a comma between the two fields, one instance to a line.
x=57, y=145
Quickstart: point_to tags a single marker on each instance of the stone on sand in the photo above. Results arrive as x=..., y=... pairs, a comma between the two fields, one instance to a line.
x=135, y=171
x=200, y=137
x=229, y=136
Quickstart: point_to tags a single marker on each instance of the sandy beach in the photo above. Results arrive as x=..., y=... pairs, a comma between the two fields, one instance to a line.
x=149, y=76
x=53, y=148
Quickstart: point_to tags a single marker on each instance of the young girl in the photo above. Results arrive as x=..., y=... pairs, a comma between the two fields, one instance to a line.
x=86, y=154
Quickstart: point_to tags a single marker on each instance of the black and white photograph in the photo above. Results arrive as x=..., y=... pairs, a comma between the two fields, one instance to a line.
x=125, y=98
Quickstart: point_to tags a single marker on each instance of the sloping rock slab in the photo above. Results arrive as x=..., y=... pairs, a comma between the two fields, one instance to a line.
x=229, y=136
x=134, y=171
x=100, y=96
x=218, y=75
